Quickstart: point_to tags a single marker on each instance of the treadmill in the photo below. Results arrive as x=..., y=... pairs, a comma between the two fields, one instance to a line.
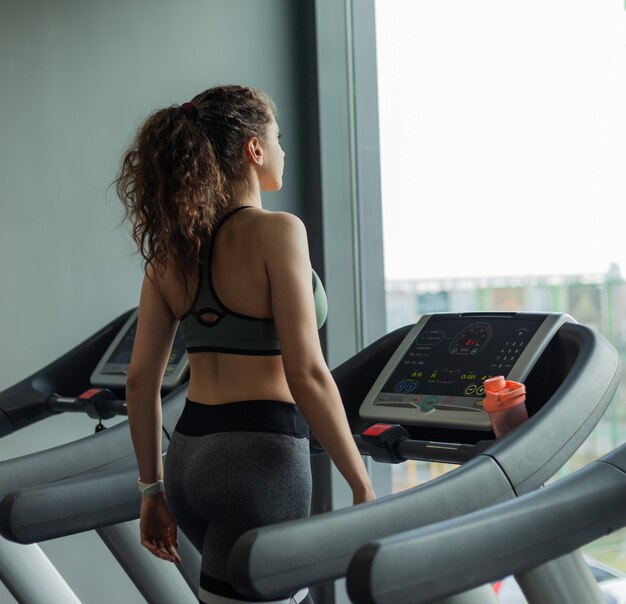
x=534, y=537
x=91, y=378
x=431, y=386
x=424, y=382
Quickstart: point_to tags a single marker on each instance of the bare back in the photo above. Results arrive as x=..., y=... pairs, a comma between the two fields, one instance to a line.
x=241, y=281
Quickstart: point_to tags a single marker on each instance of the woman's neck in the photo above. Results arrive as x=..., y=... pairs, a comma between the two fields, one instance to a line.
x=249, y=194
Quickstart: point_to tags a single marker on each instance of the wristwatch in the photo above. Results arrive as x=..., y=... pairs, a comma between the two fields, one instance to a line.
x=147, y=489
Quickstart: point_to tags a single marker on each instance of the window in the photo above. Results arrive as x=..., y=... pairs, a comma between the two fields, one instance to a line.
x=503, y=155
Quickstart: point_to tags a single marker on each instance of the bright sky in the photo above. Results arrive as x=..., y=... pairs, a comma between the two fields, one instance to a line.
x=503, y=136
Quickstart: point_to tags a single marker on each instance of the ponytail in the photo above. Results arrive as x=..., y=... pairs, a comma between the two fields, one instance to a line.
x=180, y=174
x=171, y=187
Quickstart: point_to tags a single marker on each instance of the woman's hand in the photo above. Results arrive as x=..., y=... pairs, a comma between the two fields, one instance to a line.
x=158, y=530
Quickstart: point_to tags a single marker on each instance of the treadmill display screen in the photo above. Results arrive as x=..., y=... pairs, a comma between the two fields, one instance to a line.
x=450, y=359
x=118, y=360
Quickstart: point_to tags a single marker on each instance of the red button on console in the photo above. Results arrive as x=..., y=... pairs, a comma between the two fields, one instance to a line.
x=377, y=429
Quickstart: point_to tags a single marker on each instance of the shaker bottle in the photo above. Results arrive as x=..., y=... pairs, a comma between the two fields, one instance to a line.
x=505, y=403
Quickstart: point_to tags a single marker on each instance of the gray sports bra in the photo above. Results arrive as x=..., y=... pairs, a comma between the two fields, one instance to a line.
x=209, y=326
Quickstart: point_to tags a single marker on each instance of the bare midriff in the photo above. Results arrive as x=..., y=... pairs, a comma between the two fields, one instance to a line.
x=217, y=378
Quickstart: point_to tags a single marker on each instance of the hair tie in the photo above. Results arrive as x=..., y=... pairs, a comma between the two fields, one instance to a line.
x=190, y=110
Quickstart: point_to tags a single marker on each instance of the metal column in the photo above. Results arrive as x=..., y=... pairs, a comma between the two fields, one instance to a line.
x=159, y=581
x=30, y=576
x=565, y=579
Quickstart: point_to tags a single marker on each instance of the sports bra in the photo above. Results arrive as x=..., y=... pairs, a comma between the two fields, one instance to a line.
x=210, y=326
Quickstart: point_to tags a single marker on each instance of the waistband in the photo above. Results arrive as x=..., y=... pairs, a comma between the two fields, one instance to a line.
x=278, y=417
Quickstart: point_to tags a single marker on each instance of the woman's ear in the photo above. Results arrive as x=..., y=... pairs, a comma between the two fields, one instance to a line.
x=254, y=151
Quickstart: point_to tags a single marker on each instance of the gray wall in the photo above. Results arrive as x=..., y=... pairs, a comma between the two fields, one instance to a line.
x=76, y=78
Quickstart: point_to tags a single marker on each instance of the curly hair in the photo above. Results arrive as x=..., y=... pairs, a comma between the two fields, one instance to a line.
x=181, y=172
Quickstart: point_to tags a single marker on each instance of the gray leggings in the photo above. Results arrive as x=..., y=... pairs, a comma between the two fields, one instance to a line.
x=223, y=478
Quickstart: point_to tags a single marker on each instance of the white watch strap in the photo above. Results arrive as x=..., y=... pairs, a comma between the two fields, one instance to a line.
x=147, y=489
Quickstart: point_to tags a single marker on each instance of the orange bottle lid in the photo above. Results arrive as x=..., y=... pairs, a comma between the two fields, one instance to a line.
x=502, y=394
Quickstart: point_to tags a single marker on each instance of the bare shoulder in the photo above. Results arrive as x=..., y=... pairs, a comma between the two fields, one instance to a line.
x=277, y=222
x=279, y=231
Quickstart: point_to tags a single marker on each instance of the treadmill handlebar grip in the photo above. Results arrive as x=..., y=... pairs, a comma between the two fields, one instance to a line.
x=426, y=450
x=383, y=442
x=97, y=403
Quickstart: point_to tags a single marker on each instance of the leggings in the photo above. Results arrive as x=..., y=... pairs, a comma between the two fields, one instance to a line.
x=230, y=468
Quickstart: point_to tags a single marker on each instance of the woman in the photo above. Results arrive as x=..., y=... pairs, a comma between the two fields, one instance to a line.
x=238, y=280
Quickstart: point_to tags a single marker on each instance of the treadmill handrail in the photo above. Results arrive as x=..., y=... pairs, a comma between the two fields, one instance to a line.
x=434, y=562
x=90, y=500
x=318, y=549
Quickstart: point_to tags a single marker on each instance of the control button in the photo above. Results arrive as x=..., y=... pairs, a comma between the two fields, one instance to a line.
x=449, y=400
x=480, y=390
x=471, y=389
x=410, y=386
x=428, y=404
x=479, y=403
x=400, y=387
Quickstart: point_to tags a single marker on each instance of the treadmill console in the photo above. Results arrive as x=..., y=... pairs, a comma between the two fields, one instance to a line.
x=112, y=370
x=435, y=377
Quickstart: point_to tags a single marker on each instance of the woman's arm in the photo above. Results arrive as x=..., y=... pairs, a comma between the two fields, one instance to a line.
x=156, y=328
x=288, y=266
